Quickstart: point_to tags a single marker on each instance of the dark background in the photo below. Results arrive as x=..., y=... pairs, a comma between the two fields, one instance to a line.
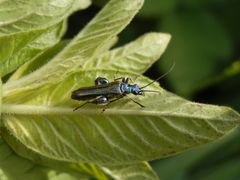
x=205, y=47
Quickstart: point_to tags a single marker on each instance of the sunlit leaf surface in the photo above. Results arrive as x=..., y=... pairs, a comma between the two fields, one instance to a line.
x=28, y=28
x=124, y=133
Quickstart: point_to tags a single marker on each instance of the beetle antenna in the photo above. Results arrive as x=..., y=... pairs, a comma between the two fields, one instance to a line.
x=151, y=91
x=160, y=76
x=142, y=106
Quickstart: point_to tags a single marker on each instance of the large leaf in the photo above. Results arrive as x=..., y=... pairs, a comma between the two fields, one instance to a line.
x=18, y=48
x=140, y=170
x=27, y=29
x=88, y=43
x=38, y=111
x=205, y=162
x=25, y=169
x=123, y=134
x=46, y=57
x=22, y=169
x=22, y=16
x=136, y=56
x=182, y=163
x=38, y=61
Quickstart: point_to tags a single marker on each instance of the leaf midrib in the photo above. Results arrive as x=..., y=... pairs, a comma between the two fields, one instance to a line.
x=48, y=110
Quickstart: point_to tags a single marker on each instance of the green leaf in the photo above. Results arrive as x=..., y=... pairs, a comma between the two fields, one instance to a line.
x=217, y=161
x=38, y=111
x=204, y=162
x=136, y=56
x=19, y=48
x=77, y=170
x=23, y=169
x=46, y=57
x=27, y=16
x=89, y=43
x=129, y=172
x=123, y=134
x=196, y=36
x=40, y=168
x=38, y=61
x=27, y=29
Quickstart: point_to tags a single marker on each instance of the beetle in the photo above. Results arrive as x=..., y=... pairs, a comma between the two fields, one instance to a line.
x=105, y=92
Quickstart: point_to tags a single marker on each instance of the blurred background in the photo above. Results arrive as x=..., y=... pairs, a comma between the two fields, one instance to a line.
x=205, y=46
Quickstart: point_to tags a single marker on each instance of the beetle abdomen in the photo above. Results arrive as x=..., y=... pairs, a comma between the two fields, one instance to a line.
x=91, y=92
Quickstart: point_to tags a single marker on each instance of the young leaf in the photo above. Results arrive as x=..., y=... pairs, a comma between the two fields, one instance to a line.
x=123, y=134
x=38, y=61
x=136, y=56
x=27, y=16
x=47, y=56
x=19, y=48
x=27, y=29
x=89, y=43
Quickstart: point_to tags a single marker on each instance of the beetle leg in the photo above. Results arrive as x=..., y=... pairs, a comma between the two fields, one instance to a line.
x=142, y=106
x=120, y=78
x=111, y=101
x=123, y=79
x=101, y=100
x=116, y=99
x=105, y=107
x=126, y=80
x=101, y=80
x=81, y=106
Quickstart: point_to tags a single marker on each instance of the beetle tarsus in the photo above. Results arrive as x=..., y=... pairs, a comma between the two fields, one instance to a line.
x=80, y=106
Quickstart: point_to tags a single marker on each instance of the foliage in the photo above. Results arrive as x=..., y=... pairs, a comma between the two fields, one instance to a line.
x=49, y=139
